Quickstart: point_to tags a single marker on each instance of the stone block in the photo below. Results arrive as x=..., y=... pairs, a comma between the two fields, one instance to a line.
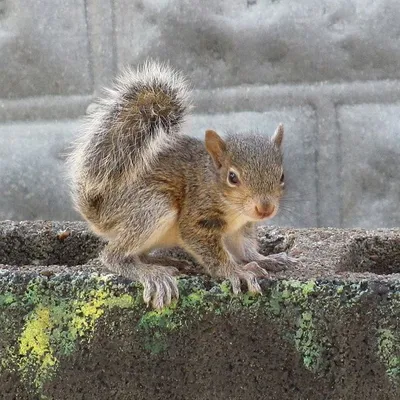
x=236, y=42
x=44, y=48
x=327, y=329
x=369, y=162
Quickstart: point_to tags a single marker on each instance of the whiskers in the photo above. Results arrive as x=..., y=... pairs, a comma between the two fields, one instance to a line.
x=297, y=197
x=236, y=214
x=295, y=210
x=298, y=210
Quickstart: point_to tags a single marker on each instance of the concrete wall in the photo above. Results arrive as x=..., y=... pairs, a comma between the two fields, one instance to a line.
x=328, y=69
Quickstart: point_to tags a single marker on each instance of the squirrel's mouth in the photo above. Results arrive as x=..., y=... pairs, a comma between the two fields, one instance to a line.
x=265, y=217
x=263, y=211
x=258, y=218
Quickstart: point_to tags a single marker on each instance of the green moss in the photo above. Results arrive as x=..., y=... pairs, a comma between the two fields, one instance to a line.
x=293, y=301
x=155, y=325
x=308, y=343
x=339, y=289
x=389, y=352
x=194, y=299
x=249, y=299
x=290, y=293
x=6, y=299
x=158, y=319
x=302, y=304
x=226, y=288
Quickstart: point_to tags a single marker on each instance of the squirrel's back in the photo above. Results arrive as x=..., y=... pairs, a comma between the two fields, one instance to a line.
x=137, y=119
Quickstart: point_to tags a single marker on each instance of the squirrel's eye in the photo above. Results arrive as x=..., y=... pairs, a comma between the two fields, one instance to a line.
x=232, y=178
x=282, y=178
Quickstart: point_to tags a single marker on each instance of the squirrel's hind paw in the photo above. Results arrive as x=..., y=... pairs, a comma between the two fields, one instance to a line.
x=160, y=287
x=277, y=262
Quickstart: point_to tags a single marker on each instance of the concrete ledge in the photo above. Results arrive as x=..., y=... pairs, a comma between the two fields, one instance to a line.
x=329, y=329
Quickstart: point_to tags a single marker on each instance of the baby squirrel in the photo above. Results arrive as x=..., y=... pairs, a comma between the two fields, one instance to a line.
x=142, y=184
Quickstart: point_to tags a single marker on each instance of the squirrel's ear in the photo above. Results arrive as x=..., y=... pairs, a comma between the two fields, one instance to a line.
x=216, y=147
x=277, y=138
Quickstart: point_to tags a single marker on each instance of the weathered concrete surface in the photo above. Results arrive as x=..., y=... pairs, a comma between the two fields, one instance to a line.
x=250, y=62
x=44, y=48
x=245, y=42
x=31, y=157
x=377, y=166
x=329, y=329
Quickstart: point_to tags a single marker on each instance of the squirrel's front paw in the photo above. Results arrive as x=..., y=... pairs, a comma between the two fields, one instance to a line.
x=160, y=286
x=247, y=273
x=277, y=262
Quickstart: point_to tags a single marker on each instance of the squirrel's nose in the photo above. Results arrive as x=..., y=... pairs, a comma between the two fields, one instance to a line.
x=264, y=210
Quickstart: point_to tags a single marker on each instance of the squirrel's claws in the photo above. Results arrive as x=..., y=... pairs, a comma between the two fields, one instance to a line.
x=254, y=271
x=277, y=262
x=235, y=282
x=247, y=273
x=160, y=289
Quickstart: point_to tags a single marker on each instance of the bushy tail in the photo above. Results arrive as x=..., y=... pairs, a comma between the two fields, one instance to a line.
x=137, y=119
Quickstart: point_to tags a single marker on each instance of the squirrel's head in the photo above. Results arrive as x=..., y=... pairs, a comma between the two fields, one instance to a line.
x=250, y=171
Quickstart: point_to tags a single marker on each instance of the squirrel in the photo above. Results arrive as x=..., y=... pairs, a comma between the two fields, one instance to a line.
x=142, y=184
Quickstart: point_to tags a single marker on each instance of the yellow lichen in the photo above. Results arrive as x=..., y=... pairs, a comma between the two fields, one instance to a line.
x=35, y=347
x=86, y=312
